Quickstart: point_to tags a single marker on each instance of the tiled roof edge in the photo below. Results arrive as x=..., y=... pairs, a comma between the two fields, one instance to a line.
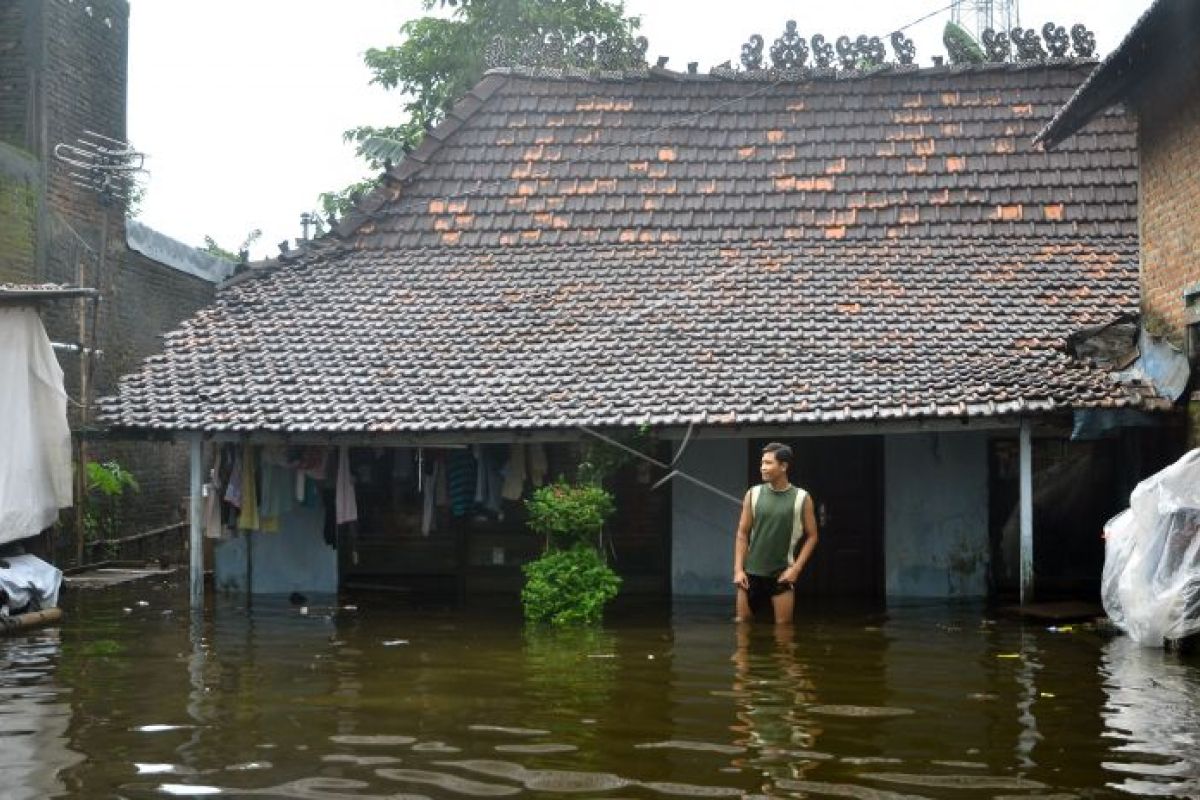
x=1103, y=87
x=388, y=187
x=727, y=74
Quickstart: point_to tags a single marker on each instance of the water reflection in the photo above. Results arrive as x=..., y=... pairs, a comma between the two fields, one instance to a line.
x=34, y=747
x=271, y=702
x=1152, y=717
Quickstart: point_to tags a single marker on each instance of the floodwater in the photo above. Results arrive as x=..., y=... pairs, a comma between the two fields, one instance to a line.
x=134, y=698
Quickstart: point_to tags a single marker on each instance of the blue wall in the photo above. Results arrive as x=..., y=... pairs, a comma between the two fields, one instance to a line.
x=703, y=522
x=296, y=559
x=936, y=514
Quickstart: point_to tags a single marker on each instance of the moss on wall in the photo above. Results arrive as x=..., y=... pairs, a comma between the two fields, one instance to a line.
x=18, y=230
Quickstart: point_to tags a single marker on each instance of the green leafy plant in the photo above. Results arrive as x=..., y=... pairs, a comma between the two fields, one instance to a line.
x=571, y=583
x=568, y=514
x=568, y=587
x=107, y=483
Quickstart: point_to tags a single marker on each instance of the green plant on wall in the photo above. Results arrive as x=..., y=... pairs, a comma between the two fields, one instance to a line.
x=571, y=583
x=107, y=483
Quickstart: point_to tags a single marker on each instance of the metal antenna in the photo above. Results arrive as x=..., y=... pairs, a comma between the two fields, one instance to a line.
x=976, y=16
x=109, y=167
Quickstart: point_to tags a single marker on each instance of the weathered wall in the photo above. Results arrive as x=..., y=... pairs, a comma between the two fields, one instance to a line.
x=296, y=559
x=63, y=72
x=936, y=515
x=703, y=522
x=1169, y=198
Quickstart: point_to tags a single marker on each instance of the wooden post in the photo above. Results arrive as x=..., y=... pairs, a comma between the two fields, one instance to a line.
x=195, y=531
x=1026, y=493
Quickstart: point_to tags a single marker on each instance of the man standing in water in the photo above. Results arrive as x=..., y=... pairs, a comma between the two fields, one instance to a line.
x=775, y=517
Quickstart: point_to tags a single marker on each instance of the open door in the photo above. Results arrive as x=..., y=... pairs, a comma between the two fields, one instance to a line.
x=844, y=475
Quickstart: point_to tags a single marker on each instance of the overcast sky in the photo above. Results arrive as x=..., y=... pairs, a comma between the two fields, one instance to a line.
x=240, y=104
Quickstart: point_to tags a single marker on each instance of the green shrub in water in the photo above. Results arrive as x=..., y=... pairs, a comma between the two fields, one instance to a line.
x=571, y=583
x=568, y=514
x=568, y=587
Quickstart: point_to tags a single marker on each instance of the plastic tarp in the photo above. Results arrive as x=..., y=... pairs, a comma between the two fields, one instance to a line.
x=27, y=579
x=1151, y=582
x=35, y=450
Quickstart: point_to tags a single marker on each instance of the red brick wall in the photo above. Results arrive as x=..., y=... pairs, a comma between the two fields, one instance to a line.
x=1169, y=140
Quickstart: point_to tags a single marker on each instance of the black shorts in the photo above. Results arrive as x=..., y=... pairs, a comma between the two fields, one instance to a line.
x=764, y=587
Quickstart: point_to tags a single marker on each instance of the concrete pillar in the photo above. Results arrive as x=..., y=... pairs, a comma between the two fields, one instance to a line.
x=195, y=531
x=1026, y=490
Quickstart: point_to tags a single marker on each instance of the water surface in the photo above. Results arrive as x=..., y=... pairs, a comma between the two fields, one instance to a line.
x=134, y=698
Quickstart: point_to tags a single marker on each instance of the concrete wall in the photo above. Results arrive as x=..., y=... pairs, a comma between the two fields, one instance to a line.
x=703, y=522
x=296, y=559
x=936, y=515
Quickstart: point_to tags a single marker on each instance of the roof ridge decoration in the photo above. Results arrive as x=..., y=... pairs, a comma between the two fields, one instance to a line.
x=550, y=49
x=789, y=53
x=998, y=45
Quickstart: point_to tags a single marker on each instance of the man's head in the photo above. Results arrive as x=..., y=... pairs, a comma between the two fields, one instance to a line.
x=776, y=458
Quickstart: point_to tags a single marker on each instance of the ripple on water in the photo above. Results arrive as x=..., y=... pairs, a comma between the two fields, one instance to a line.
x=185, y=790
x=956, y=781
x=159, y=728
x=860, y=761
x=161, y=769
x=843, y=790
x=536, y=749
x=362, y=761
x=680, y=744
x=690, y=790
x=451, y=783
x=324, y=789
x=435, y=747
x=961, y=764
x=543, y=780
x=859, y=712
x=249, y=766
x=382, y=740
x=505, y=729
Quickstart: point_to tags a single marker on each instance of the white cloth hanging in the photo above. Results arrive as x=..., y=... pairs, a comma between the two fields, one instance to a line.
x=35, y=450
x=346, y=500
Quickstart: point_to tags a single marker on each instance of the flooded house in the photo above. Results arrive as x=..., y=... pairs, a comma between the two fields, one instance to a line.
x=864, y=258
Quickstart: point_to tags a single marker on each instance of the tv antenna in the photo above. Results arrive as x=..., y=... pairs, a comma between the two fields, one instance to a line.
x=109, y=167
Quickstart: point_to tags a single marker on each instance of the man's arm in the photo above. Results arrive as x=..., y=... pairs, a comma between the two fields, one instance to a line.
x=811, y=537
x=741, y=544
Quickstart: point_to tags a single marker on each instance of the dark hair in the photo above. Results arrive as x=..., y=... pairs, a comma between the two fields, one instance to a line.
x=782, y=453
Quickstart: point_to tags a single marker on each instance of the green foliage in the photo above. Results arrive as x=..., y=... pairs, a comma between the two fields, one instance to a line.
x=961, y=46
x=213, y=249
x=107, y=484
x=569, y=514
x=601, y=460
x=440, y=57
x=568, y=587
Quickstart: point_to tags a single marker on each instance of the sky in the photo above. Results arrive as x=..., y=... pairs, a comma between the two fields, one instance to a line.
x=240, y=105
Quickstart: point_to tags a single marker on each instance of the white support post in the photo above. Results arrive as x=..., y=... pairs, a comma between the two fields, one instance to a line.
x=1026, y=492
x=195, y=532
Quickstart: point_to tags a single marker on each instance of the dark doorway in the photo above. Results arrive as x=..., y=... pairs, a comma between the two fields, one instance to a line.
x=844, y=475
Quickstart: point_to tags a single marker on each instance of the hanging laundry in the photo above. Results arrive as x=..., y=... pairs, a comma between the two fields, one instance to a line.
x=461, y=479
x=494, y=456
x=233, y=490
x=347, y=502
x=211, y=522
x=538, y=466
x=514, y=473
x=248, y=518
x=441, y=494
x=278, y=484
x=431, y=479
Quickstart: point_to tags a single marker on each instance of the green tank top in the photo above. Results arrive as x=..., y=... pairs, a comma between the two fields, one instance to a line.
x=771, y=532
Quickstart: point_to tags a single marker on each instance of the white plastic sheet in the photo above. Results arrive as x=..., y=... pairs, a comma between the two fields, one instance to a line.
x=28, y=578
x=1151, y=582
x=35, y=446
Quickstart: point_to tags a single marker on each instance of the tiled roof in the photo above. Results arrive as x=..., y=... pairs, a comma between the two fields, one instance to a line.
x=554, y=336
x=657, y=249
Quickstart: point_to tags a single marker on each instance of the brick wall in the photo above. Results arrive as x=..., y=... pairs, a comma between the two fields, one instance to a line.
x=14, y=77
x=63, y=71
x=1169, y=201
